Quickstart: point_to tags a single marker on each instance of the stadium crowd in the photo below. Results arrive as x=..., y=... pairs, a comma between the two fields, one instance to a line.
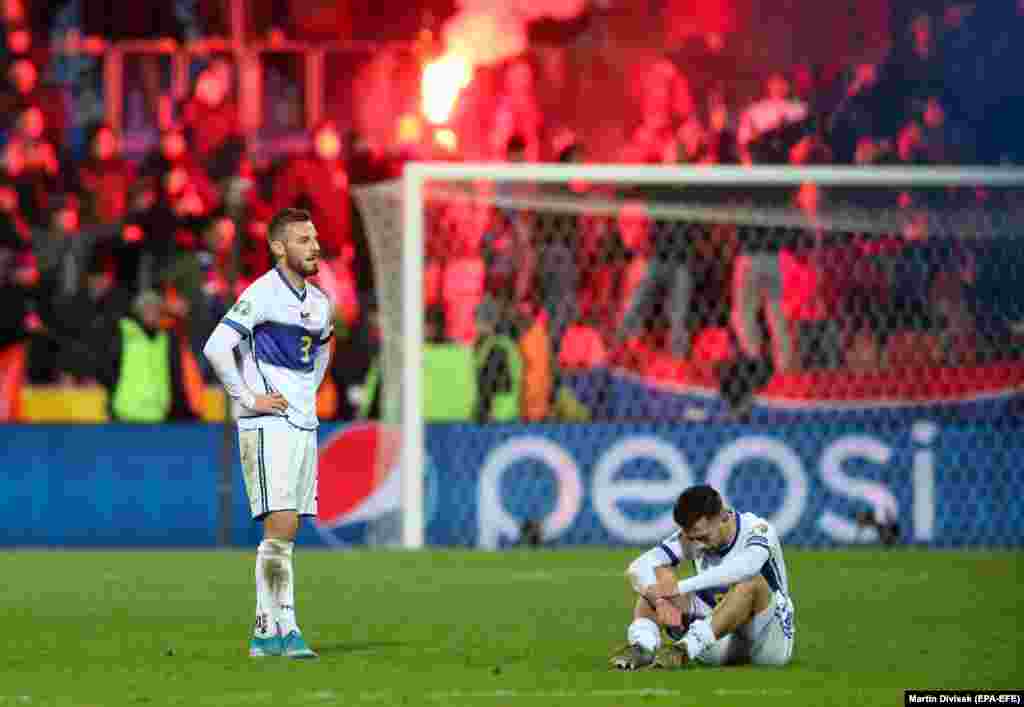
x=91, y=240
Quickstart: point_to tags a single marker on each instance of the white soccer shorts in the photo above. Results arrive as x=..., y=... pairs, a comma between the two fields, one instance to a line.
x=279, y=462
x=767, y=639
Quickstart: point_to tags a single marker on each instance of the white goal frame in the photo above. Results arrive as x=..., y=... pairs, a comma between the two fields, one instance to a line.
x=416, y=174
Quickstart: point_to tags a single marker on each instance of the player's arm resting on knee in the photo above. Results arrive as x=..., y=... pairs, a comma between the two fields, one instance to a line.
x=220, y=352
x=737, y=568
x=652, y=577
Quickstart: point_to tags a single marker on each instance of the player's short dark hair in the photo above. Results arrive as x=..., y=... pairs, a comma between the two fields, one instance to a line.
x=278, y=228
x=695, y=503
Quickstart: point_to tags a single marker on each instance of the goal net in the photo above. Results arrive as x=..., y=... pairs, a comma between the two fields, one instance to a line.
x=566, y=347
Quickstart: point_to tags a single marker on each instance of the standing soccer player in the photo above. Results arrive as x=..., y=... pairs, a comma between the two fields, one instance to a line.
x=737, y=605
x=270, y=352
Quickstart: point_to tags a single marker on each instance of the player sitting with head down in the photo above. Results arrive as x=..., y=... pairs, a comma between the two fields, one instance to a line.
x=735, y=609
x=270, y=352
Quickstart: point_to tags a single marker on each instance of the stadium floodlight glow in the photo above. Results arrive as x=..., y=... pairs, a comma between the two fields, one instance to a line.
x=397, y=221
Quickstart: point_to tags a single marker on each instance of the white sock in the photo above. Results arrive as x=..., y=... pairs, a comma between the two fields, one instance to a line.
x=644, y=633
x=266, y=607
x=698, y=637
x=283, y=589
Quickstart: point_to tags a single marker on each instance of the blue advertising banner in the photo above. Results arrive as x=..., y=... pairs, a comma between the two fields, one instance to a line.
x=117, y=485
x=947, y=485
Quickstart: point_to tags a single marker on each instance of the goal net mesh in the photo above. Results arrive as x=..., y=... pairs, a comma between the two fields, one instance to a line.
x=696, y=307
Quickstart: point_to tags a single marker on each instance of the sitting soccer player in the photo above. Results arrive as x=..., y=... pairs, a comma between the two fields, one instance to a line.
x=735, y=609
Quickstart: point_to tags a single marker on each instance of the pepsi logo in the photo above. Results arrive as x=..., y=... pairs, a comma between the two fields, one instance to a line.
x=358, y=477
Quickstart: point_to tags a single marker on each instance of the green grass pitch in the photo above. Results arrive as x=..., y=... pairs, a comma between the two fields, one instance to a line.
x=483, y=629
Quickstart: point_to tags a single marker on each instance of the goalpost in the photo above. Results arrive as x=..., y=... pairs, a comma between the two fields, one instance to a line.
x=986, y=205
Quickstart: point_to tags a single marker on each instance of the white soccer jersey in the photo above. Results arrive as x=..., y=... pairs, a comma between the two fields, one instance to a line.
x=282, y=329
x=751, y=531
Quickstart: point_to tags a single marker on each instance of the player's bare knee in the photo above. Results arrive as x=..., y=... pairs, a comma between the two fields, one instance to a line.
x=762, y=594
x=753, y=595
x=752, y=589
x=745, y=591
x=281, y=525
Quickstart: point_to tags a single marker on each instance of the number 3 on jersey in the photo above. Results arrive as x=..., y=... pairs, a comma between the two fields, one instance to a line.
x=305, y=345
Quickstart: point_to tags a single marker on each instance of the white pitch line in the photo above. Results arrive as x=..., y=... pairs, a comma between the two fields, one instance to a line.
x=751, y=692
x=237, y=698
x=323, y=695
x=551, y=694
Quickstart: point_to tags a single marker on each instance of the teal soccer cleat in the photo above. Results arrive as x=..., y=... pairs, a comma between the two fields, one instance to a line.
x=265, y=647
x=295, y=647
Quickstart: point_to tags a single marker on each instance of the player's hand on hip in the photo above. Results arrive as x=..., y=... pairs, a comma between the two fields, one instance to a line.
x=270, y=404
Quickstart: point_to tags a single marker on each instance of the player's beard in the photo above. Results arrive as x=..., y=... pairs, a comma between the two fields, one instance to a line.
x=304, y=266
